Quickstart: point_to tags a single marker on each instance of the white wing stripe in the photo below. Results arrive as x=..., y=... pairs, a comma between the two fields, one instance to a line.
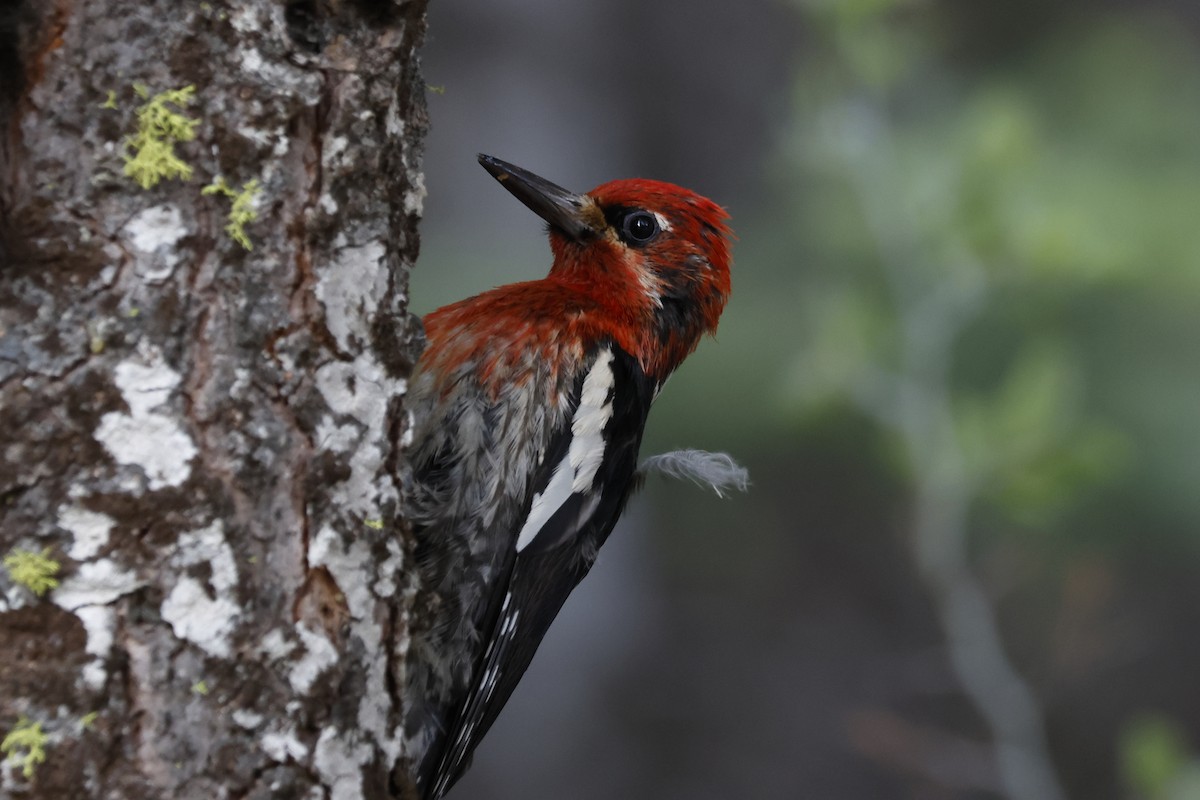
x=546, y=503
x=587, y=429
x=576, y=472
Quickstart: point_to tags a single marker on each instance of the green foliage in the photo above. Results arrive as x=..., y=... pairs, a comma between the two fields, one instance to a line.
x=1029, y=442
x=1075, y=165
x=960, y=228
x=25, y=746
x=1156, y=762
x=34, y=571
x=848, y=333
x=242, y=211
x=874, y=39
x=159, y=128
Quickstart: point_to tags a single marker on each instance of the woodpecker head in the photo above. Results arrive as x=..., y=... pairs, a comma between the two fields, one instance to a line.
x=654, y=255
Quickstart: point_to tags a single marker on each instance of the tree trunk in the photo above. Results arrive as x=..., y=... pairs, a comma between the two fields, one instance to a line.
x=201, y=395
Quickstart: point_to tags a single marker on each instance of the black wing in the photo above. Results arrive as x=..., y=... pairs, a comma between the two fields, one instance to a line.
x=564, y=527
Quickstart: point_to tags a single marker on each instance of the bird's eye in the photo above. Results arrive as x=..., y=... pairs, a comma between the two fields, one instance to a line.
x=639, y=227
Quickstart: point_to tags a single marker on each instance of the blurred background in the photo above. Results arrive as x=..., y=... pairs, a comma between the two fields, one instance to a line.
x=961, y=360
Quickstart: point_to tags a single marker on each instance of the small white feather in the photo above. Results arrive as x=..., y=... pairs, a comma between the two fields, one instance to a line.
x=715, y=471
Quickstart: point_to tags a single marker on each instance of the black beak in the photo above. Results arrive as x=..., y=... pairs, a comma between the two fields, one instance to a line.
x=575, y=215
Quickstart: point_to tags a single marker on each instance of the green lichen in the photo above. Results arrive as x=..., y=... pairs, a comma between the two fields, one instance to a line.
x=242, y=211
x=374, y=524
x=34, y=571
x=88, y=720
x=95, y=338
x=25, y=746
x=159, y=128
x=110, y=101
x=200, y=687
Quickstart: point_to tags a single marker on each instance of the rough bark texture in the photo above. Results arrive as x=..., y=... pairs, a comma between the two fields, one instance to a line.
x=207, y=438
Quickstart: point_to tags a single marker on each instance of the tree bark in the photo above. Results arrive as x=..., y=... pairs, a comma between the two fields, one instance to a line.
x=206, y=438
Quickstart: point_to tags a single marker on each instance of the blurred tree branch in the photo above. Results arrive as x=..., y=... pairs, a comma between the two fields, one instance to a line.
x=914, y=402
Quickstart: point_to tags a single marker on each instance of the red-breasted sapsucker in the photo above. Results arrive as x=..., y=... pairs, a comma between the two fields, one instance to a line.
x=530, y=401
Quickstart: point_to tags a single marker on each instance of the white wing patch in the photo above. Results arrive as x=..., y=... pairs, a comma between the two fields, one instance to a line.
x=587, y=429
x=576, y=472
x=546, y=503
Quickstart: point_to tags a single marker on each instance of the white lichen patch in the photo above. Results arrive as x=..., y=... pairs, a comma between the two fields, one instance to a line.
x=333, y=437
x=360, y=389
x=339, y=758
x=88, y=594
x=205, y=619
x=349, y=289
x=319, y=656
x=406, y=438
x=349, y=563
x=153, y=235
x=242, y=380
x=89, y=530
x=277, y=74
x=283, y=143
x=275, y=645
x=155, y=227
x=146, y=437
x=247, y=18
x=251, y=60
x=283, y=745
x=99, y=622
x=388, y=570
x=95, y=583
x=209, y=545
x=155, y=443
x=145, y=386
x=414, y=199
x=373, y=712
x=244, y=718
x=394, y=121
x=334, y=149
x=262, y=138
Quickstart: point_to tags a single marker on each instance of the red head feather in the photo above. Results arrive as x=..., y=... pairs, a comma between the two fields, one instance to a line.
x=654, y=296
